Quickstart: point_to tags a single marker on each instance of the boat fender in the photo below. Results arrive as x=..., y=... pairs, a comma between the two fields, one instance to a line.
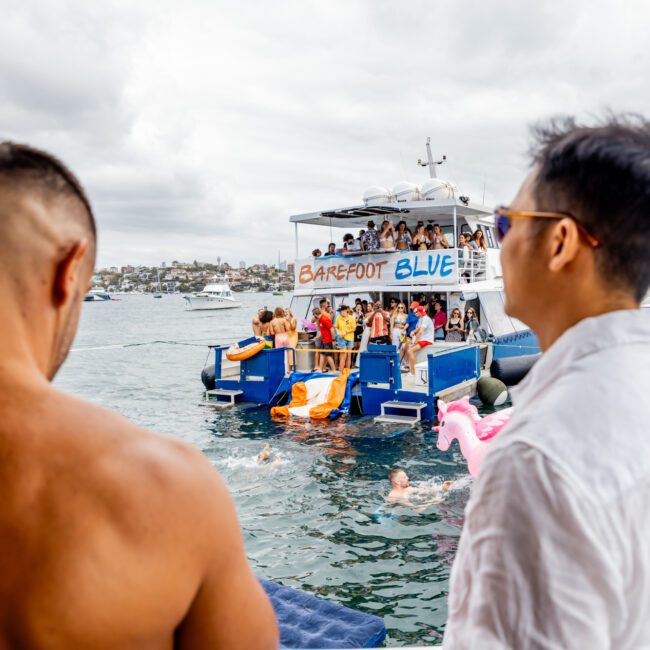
x=207, y=377
x=511, y=370
x=492, y=392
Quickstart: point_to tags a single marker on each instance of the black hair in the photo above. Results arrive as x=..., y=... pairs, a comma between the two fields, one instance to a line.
x=266, y=316
x=348, y=236
x=45, y=171
x=601, y=175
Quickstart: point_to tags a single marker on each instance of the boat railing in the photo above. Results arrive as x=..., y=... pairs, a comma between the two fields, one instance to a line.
x=472, y=265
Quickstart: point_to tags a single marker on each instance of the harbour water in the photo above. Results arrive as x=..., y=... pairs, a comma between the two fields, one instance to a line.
x=316, y=520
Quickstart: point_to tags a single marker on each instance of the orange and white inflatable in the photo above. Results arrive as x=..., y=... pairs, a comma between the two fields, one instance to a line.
x=236, y=353
x=315, y=398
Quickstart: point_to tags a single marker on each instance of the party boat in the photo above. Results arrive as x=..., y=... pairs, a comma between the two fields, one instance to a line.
x=460, y=278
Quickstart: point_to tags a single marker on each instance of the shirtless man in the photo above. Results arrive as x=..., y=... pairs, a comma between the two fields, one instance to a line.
x=401, y=490
x=256, y=323
x=111, y=536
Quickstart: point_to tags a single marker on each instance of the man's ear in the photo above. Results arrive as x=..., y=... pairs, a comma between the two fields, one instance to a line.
x=564, y=243
x=69, y=272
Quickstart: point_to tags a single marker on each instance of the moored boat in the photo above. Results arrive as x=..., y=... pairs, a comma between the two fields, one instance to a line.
x=213, y=296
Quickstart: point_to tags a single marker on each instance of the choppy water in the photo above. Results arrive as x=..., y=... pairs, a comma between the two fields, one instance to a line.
x=315, y=520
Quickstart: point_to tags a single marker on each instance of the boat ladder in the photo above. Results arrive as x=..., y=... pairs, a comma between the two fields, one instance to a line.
x=393, y=411
x=222, y=397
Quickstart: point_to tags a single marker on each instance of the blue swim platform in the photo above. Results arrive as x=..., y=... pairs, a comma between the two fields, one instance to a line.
x=309, y=622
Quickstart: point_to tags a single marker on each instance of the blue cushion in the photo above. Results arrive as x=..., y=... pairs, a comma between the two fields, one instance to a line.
x=309, y=622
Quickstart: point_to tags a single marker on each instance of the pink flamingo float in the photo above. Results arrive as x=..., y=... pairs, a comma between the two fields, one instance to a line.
x=460, y=421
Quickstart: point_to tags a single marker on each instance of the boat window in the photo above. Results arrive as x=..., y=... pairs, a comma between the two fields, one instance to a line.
x=361, y=296
x=493, y=312
x=300, y=307
x=489, y=237
x=448, y=232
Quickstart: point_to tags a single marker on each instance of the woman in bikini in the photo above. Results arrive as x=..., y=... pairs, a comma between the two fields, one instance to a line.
x=398, y=325
x=403, y=238
x=420, y=238
x=280, y=328
x=292, y=331
x=387, y=236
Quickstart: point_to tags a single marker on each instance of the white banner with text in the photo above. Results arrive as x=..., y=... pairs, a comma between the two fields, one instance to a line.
x=398, y=268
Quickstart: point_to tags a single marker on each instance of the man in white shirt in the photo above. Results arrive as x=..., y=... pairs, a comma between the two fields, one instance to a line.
x=422, y=337
x=555, y=549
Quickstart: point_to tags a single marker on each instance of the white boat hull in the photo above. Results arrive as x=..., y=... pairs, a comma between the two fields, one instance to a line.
x=199, y=303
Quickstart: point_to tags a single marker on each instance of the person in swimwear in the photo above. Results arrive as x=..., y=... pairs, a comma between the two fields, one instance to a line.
x=280, y=328
x=256, y=323
x=111, y=535
x=265, y=456
x=401, y=490
x=267, y=329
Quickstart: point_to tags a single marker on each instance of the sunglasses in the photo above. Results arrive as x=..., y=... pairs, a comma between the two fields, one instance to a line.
x=503, y=215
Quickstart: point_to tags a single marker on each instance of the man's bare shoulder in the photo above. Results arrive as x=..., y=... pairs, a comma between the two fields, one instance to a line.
x=142, y=477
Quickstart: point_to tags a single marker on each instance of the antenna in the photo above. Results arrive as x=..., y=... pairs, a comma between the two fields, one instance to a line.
x=431, y=163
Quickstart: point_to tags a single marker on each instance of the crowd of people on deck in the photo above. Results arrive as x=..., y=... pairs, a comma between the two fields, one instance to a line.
x=390, y=238
x=349, y=329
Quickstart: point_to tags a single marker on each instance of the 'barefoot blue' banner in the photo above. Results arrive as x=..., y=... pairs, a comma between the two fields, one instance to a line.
x=395, y=268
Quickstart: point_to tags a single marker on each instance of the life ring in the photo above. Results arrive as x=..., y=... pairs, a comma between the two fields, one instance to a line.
x=237, y=353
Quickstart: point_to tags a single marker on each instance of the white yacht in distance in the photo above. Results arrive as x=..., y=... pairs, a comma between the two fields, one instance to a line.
x=98, y=294
x=213, y=296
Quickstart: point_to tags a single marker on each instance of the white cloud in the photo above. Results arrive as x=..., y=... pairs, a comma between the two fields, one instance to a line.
x=199, y=127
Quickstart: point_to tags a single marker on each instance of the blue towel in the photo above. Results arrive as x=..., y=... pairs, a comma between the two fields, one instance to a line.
x=309, y=622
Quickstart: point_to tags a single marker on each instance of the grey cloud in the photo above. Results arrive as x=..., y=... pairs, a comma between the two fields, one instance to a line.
x=202, y=126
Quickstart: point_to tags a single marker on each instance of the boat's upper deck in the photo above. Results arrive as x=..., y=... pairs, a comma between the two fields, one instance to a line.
x=449, y=269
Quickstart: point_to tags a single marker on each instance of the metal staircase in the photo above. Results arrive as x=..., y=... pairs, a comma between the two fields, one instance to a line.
x=222, y=397
x=393, y=412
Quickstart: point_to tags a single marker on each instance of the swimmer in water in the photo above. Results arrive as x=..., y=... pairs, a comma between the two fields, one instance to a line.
x=265, y=455
x=402, y=491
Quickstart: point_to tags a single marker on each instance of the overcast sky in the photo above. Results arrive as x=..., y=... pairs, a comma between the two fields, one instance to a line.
x=199, y=127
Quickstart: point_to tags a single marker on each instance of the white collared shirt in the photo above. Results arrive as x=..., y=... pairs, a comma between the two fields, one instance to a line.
x=555, y=550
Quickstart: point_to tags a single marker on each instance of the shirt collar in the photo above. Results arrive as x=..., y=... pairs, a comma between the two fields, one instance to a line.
x=587, y=337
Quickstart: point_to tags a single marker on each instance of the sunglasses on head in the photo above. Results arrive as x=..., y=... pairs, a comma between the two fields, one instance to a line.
x=503, y=215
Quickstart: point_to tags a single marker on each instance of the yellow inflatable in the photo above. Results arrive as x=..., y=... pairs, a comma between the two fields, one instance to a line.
x=236, y=353
x=315, y=398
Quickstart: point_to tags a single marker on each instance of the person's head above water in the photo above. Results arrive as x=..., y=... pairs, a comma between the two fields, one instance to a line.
x=47, y=255
x=577, y=234
x=398, y=478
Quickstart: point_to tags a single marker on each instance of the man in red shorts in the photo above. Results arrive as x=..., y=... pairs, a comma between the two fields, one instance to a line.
x=422, y=337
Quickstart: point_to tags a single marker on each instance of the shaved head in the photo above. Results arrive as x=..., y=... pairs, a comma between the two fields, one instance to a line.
x=47, y=249
x=22, y=163
x=28, y=177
